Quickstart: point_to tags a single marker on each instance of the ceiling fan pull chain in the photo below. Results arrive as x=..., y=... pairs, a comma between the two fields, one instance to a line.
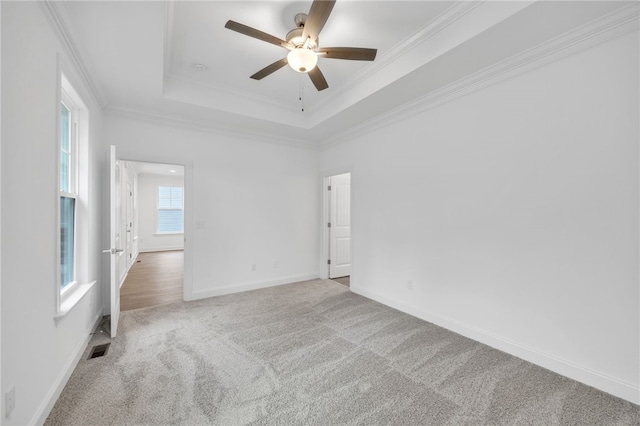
x=301, y=98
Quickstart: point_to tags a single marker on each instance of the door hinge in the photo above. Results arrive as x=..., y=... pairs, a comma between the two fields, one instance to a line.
x=329, y=225
x=328, y=261
x=329, y=188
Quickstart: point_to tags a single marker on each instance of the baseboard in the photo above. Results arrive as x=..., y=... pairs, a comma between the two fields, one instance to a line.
x=54, y=393
x=124, y=278
x=606, y=383
x=153, y=250
x=238, y=288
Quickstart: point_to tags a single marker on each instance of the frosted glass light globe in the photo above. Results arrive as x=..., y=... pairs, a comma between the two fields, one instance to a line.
x=302, y=60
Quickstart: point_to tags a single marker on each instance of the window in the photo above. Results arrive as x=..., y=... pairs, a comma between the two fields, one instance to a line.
x=72, y=191
x=170, y=209
x=68, y=193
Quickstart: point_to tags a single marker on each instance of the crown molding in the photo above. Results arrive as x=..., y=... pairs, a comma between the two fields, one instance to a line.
x=56, y=13
x=250, y=97
x=605, y=28
x=201, y=126
x=446, y=18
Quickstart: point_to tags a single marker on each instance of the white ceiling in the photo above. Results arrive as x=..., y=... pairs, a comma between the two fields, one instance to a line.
x=158, y=169
x=198, y=36
x=140, y=57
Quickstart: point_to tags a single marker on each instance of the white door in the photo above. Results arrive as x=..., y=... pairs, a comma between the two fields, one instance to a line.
x=114, y=241
x=340, y=228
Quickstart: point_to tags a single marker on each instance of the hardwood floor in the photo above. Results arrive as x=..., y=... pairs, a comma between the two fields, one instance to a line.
x=343, y=280
x=155, y=279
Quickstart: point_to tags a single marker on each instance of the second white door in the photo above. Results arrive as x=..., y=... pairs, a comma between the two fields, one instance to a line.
x=340, y=228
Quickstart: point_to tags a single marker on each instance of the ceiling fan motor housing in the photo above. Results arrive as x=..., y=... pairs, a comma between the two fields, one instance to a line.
x=295, y=35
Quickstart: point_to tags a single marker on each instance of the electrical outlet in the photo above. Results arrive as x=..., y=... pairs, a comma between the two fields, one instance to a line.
x=253, y=266
x=410, y=285
x=10, y=400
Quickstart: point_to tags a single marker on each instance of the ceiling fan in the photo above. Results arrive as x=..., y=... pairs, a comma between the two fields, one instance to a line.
x=303, y=46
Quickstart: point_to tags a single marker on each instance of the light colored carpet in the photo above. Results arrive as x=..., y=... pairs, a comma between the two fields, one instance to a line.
x=314, y=353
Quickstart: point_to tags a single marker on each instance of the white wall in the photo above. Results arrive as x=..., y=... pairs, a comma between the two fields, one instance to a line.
x=251, y=203
x=38, y=353
x=149, y=239
x=514, y=210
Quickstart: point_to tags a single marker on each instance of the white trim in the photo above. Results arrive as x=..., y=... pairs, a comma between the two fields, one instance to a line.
x=238, y=288
x=324, y=229
x=52, y=396
x=124, y=277
x=58, y=15
x=207, y=127
x=66, y=292
x=604, y=382
x=68, y=96
x=326, y=218
x=266, y=101
x=608, y=27
x=71, y=295
x=158, y=249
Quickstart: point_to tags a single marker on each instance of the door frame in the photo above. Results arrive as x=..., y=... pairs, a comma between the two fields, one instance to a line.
x=187, y=287
x=324, y=229
x=129, y=229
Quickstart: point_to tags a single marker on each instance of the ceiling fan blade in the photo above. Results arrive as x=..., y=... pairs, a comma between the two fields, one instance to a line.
x=252, y=32
x=316, y=18
x=318, y=79
x=270, y=69
x=352, y=53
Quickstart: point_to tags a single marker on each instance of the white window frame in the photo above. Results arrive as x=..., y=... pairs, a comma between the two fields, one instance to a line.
x=68, y=101
x=170, y=185
x=67, y=297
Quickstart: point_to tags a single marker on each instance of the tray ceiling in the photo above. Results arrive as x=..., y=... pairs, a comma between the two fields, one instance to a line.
x=142, y=57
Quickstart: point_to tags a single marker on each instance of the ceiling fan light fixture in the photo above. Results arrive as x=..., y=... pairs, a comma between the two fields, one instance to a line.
x=302, y=60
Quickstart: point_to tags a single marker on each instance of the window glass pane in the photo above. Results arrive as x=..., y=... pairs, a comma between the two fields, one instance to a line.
x=64, y=172
x=64, y=149
x=169, y=220
x=164, y=197
x=64, y=128
x=170, y=217
x=176, y=197
x=67, y=219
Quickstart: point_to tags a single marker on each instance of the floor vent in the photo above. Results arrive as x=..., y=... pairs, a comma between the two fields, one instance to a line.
x=98, y=351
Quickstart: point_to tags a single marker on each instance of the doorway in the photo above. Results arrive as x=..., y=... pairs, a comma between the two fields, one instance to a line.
x=153, y=225
x=339, y=227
